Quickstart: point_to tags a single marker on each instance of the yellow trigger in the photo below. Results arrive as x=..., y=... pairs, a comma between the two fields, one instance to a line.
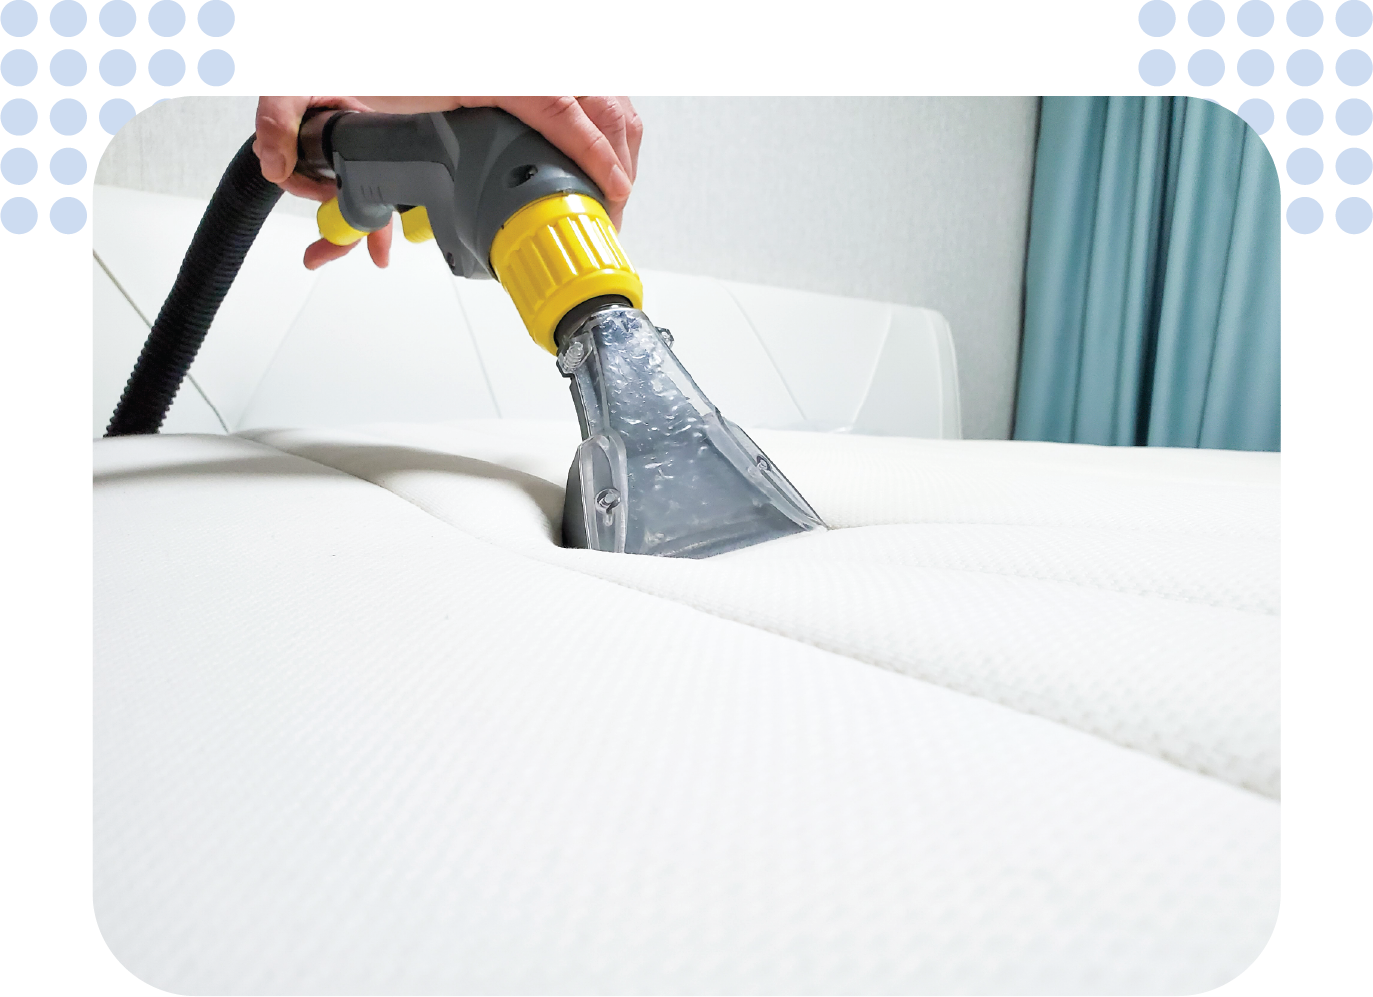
x=332, y=226
x=415, y=224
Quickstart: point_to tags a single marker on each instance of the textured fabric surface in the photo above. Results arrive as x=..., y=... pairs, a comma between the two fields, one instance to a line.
x=1131, y=594
x=358, y=740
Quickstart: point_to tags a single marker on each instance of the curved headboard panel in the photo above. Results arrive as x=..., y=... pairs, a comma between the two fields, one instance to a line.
x=351, y=344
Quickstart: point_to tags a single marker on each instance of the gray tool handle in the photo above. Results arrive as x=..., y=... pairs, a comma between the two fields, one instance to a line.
x=471, y=169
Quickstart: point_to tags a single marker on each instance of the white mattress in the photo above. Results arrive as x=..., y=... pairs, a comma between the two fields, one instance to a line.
x=1011, y=727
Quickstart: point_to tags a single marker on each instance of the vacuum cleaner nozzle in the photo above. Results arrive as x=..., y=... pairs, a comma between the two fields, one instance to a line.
x=660, y=470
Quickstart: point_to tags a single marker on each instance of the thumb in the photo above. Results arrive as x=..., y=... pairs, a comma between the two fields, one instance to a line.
x=278, y=121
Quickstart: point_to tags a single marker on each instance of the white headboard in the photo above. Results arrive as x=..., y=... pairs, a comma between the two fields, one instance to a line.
x=351, y=344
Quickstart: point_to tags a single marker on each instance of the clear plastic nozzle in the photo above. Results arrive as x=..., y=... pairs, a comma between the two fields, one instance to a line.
x=660, y=470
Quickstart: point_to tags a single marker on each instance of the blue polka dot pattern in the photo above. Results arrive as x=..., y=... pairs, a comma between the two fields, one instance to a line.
x=1156, y=18
x=1206, y=68
x=1354, y=18
x=1354, y=215
x=18, y=116
x=1353, y=166
x=117, y=67
x=68, y=116
x=18, y=18
x=68, y=166
x=1255, y=18
x=166, y=68
x=1257, y=114
x=1354, y=67
x=216, y=18
x=1304, y=18
x=114, y=114
x=117, y=18
x=68, y=18
x=1304, y=215
x=1304, y=68
x=1255, y=67
x=68, y=67
x=18, y=166
x=216, y=67
x=68, y=215
x=1156, y=67
x=1206, y=18
x=1304, y=166
x=18, y=215
x=166, y=18
x=18, y=68
x=1305, y=116
x=1354, y=116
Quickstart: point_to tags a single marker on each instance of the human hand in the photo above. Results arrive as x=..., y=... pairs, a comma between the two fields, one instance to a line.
x=599, y=134
x=278, y=122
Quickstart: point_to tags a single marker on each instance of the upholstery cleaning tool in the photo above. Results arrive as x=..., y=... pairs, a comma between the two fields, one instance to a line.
x=659, y=469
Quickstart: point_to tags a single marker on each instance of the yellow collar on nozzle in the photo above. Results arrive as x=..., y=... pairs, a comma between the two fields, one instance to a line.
x=555, y=253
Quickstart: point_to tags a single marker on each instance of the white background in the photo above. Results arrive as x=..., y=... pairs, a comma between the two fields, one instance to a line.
x=50, y=940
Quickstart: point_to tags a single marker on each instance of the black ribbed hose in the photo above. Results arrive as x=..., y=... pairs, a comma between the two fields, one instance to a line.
x=231, y=222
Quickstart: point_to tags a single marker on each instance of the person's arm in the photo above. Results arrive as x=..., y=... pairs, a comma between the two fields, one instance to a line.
x=599, y=134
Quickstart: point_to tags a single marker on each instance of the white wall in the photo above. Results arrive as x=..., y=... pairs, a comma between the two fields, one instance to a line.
x=917, y=200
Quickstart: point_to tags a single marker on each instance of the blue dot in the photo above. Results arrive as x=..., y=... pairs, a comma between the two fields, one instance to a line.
x=1304, y=215
x=117, y=18
x=1304, y=18
x=1206, y=68
x=68, y=116
x=1156, y=18
x=1304, y=67
x=68, y=215
x=1353, y=166
x=216, y=18
x=114, y=114
x=1255, y=67
x=1305, y=116
x=68, y=67
x=18, y=116
x=68, y=166
x=1257, y=115
x=18, y=67
x=1205, y=18
x=117, y=67
x=1156, y=67
x=19, y=166
x=1354, y=116
x=18, y=215
x=1354, y=68
x=18, y=18
x=1354, y=215
x=216, y=67
x=1354, y=18
x=68, y=18
x=1255, y=18
x=166, y=18
x=166, y=67
x=1304, y=166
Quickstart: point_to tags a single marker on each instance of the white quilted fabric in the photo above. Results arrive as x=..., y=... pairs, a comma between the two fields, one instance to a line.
x=1129, y=593
x=392, y=739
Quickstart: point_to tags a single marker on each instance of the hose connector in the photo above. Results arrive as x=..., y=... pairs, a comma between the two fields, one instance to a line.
x=556, y=253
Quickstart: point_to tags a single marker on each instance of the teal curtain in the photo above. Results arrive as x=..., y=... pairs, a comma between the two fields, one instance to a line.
x=1151, y=283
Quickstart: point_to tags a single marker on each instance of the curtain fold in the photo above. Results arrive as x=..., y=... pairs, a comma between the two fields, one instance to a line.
x=1151, y=302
